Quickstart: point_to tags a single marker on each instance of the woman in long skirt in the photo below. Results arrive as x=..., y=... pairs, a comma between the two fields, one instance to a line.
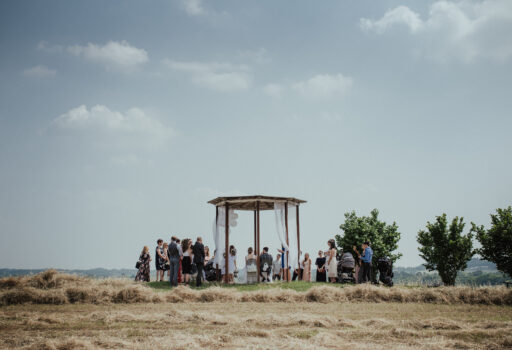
x=144, y=259
x=306, y=274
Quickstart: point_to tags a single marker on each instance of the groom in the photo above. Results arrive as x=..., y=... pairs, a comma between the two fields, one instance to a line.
x=198, y=251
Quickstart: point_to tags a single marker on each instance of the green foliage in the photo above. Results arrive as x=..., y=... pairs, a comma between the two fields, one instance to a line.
x=383, y=237
x=446, y=249
x=497, y=241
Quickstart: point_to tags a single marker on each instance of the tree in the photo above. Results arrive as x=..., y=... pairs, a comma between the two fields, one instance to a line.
x=383, y=237
x=444, y=248
x=497, y=241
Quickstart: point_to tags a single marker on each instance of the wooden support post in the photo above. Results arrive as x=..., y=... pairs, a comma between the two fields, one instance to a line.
x=287, y=267
x=217, y=271
x=255, y=228
x=226, y=269
x=298, y=234
x=258, y=238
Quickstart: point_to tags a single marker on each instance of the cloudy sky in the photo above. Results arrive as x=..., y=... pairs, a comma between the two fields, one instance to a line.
x=119, y=120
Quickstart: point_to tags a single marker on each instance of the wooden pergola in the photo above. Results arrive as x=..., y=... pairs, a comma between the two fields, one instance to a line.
x=256, y=204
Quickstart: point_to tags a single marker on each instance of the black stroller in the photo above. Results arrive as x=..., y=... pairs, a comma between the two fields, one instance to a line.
x=346, y=264
x=386, y=271
x=210, y=272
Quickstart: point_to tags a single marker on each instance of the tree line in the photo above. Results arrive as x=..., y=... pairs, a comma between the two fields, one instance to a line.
x=442, y=243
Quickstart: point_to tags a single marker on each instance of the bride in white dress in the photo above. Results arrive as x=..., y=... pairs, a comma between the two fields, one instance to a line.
x=332, y=263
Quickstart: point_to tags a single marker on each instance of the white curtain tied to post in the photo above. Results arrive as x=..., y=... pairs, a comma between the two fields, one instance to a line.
x=279, y=210
x=219, y=233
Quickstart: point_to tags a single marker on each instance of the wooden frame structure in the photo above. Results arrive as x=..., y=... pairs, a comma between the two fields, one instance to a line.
x=256, y=204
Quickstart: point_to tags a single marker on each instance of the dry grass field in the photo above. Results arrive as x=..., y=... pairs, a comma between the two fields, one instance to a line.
x=53, y=311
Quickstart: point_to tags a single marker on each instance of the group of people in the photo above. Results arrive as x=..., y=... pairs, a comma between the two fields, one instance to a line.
x=183, y=259
x=180, y=258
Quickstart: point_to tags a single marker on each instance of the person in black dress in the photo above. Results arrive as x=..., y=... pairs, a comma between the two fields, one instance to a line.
x=144, y=259
x=186, y=245
x=320, y=267
x=160, y=260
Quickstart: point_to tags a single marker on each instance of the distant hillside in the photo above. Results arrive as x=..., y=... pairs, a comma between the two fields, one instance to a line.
x=478, y=273
x=474, y=264
x=98, y=272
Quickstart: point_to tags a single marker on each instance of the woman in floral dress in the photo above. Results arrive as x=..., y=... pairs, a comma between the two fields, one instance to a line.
x=144, y=259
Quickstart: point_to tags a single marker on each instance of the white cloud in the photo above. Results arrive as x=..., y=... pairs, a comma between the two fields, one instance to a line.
x=398, y=15
x=134, y=122
x=215, y=76
x=39, y=72
x=273, y=90
x=324, y=86
x=113, y=54
x=462, y=30
x=194, y=7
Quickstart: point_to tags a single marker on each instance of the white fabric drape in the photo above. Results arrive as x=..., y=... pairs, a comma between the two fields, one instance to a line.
x=280, y=223
x=279, y=210
x=219, y=236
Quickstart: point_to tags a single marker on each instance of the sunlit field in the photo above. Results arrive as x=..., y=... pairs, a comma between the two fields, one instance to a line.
x=55, y=311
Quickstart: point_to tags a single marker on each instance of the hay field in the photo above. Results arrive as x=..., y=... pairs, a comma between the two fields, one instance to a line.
x=54, y=311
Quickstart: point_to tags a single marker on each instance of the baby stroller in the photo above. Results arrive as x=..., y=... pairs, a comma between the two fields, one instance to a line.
x=210, y=272
x=386, y=271
x=346, y=266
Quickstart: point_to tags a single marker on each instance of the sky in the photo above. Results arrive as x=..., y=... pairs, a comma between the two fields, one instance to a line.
x=119, y=120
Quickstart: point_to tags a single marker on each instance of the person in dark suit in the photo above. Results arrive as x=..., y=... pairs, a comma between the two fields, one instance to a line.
x=198, y=251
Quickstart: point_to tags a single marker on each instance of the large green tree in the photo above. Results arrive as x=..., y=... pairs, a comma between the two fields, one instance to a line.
x=383, y=237
x=497, y=241
x=445, y=248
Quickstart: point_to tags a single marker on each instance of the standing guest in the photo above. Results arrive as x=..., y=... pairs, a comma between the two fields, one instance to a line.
x=180, y=269
x=285, y=268
x=174, y=253
x=297, y=272
x=206, y=254
x=359, y=271
x=366, y=260
x=331, y=262
x=306, y=273
x=266, y=262
x=320, y=267
x=144, y=259
x=250, y=266
x=222, y=267
x=167, y=265
x=199, y=255
x=276, y=268
x=232, y=265
x=160, y=260
x=186, y=263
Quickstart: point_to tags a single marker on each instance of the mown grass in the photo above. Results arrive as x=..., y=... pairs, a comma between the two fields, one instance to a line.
x=298, y=286
x=222, y=325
